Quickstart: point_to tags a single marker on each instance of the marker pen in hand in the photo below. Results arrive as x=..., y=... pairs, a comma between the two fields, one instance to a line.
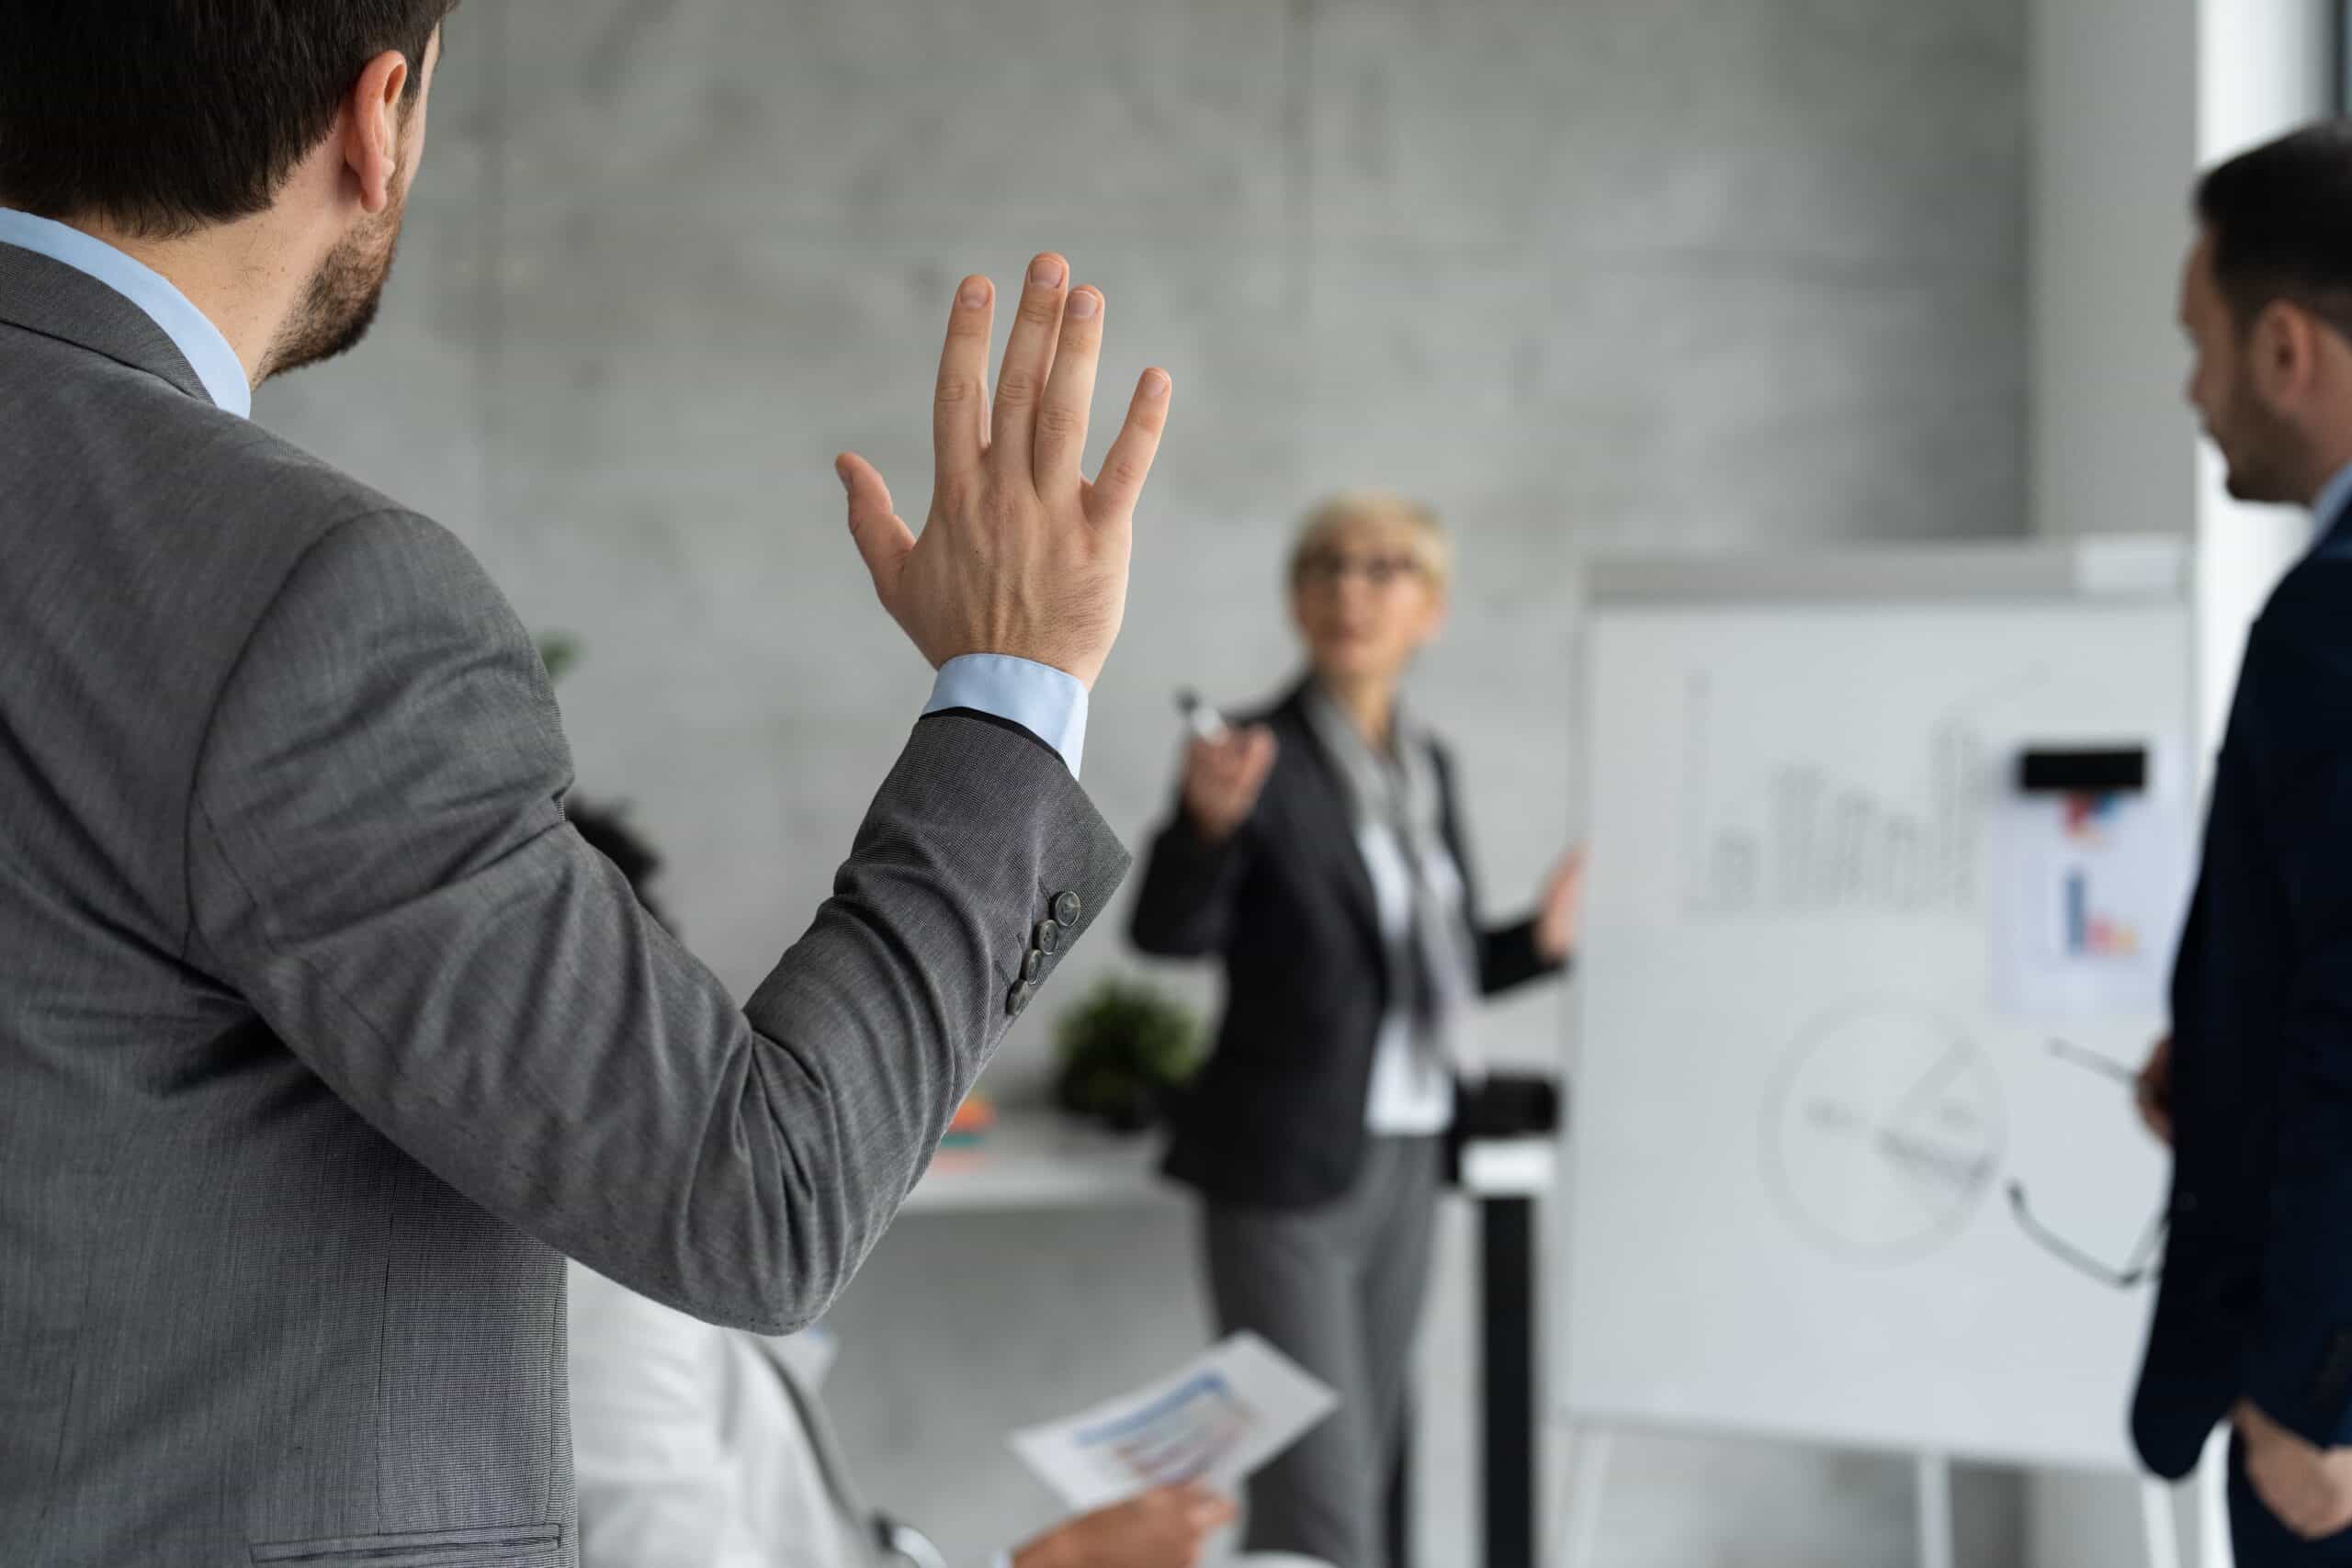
x=1203, y=721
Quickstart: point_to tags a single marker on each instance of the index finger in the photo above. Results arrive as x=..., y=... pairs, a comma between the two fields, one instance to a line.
x=959, y=408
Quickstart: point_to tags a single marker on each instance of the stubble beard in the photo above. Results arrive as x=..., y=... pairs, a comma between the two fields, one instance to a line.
x=339, y=302
x=2263, y=453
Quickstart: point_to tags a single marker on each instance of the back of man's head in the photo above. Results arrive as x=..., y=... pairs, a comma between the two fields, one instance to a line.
x=2280, y=221
x=160, y=117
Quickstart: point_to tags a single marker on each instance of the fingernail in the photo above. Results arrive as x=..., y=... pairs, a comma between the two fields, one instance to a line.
x=1155, y=383
x=1046, y=271
x=1083, y=304
x=973, y=295
x=841, y=472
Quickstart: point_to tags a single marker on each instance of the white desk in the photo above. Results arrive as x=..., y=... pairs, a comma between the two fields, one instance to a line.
x=1034, y=1160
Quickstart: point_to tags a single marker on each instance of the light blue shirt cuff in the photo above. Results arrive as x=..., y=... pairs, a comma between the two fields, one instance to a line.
x=1050, y=703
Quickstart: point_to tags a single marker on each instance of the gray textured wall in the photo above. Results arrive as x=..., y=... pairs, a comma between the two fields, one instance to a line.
x=1599, y=275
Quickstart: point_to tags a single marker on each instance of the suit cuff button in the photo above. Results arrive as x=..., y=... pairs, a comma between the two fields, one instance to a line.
x=1068, y=908
x=1049, y=936
x=1033, y=968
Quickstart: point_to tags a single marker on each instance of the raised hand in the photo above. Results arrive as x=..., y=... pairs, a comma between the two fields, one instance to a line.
x=1223, y=778
x=1020, y=553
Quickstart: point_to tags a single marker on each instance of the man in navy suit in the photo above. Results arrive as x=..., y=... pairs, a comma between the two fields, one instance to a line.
x=2254, y=1087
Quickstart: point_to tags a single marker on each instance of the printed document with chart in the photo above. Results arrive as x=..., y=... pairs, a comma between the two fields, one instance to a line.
x=2090, y=893
x=1216, y=1420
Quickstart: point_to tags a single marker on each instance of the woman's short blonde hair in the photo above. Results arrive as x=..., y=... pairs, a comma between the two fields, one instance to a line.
x=1319, y=531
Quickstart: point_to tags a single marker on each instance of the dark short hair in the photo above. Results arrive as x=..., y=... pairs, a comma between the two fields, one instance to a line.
x=2280, y=218
x=163, y=116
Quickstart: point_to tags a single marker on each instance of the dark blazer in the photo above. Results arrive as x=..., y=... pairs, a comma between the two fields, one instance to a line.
x=2256, y=1295
x=1277, y=1115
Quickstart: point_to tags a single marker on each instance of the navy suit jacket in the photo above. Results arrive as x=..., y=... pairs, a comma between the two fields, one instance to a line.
x=2256, y=1293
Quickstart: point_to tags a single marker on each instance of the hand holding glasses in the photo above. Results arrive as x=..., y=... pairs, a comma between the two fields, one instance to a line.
x=2142, y=1262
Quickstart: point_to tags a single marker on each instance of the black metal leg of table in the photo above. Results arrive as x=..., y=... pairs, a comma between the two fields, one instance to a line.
x=1398, y=1522
x=1507, y=1318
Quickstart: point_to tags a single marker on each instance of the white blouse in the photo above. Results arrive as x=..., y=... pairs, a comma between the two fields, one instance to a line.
x=1411, y=1092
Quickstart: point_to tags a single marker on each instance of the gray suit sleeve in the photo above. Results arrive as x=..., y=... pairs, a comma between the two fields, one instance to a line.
x=379, y=863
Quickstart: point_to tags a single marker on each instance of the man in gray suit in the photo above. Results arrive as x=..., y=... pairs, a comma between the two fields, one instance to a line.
x=323, y=1035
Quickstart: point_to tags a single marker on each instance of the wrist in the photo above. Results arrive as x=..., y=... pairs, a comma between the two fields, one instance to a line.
x=1208, y=830
x=1080, y=664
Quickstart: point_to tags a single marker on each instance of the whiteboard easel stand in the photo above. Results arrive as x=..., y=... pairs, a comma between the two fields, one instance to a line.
x=2158, y=1525
x=1588, y=1471
x=1735, y=681
x=2212, y=1490
x=1933, y=1498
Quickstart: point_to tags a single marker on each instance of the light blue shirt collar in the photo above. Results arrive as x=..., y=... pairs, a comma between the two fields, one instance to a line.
x=191, y=332
x=2328, y=505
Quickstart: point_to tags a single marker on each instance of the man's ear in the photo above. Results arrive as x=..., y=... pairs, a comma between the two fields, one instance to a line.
x=2284, y=350
x=371, y=129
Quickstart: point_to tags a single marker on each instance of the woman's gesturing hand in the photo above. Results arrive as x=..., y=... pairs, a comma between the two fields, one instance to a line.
x=1560, y=916
x=1021, y=553
x=1223, y=777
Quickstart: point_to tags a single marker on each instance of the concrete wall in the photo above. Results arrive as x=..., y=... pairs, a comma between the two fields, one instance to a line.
x=2114, y=149
x=1655, y=274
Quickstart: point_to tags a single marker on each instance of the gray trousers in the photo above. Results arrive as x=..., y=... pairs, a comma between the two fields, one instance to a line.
x=1338, y=1289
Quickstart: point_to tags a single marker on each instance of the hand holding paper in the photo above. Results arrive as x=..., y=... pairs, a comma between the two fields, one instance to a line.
x=1214, y=1421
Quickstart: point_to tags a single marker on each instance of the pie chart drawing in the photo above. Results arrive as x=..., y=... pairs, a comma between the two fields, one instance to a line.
x=1883, y=1131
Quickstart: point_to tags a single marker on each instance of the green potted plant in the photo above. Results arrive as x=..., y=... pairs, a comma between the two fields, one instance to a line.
x=1126, y=1049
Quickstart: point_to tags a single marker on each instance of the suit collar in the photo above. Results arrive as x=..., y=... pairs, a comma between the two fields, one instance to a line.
x=2332, y=508
x=43, y=294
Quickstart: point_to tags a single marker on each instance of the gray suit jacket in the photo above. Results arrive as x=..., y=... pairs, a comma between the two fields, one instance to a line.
x=322, y=1034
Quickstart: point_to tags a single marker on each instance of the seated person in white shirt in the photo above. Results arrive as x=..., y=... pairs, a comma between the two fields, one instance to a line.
x=701, y=1447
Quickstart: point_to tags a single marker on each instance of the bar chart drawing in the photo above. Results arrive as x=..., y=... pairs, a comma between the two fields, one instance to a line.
x=2093, y=926
x=1796, y=838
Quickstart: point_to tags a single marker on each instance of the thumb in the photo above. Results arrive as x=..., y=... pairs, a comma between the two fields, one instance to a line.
x=882, y=538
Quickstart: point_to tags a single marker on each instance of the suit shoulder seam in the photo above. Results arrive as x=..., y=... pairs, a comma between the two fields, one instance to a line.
x=235, y=666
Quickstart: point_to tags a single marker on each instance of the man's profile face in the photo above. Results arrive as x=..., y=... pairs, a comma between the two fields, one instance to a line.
x=2255, y=440
x=344, y=295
